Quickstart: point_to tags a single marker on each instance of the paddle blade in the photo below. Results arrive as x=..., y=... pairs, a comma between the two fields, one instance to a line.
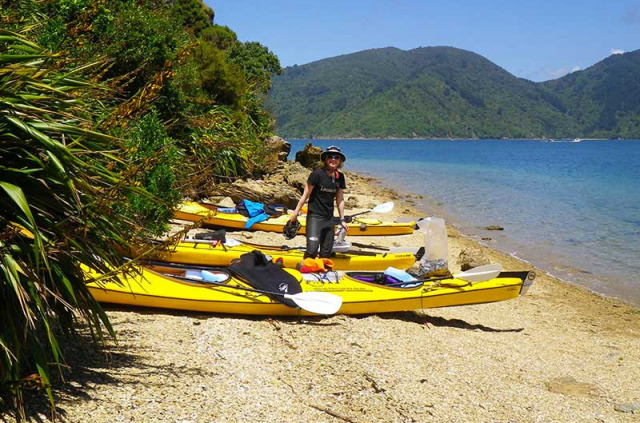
x=480, y=273
x=383, y=208
x=316, y=302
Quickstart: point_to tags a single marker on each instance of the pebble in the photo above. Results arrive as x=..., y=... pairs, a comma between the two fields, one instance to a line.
x=628, y=407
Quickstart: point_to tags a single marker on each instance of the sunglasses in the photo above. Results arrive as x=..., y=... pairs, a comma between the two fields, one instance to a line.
x=334, y=156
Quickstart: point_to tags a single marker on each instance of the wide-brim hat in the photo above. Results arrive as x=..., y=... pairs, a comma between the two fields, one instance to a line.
x=333, y=150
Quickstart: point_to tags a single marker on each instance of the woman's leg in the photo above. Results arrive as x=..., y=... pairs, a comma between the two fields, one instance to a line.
x=314, y=227
x=326, y=238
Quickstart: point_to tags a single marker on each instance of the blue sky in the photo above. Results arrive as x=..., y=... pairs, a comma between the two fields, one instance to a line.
x=536, y=40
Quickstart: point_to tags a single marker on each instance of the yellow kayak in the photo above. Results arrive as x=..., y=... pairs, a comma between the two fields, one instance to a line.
x=216, y=253
x=171, y=287
x=209, y=215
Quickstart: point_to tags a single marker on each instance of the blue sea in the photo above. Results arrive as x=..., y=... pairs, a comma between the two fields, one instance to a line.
x=569, y=208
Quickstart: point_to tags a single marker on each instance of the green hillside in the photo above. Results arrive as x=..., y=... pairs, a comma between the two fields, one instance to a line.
x=604, y=99
x=435, y=92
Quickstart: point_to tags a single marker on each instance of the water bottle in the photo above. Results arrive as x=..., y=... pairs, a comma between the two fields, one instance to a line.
x=435, y=261
x=340, y=245
x=341, y=233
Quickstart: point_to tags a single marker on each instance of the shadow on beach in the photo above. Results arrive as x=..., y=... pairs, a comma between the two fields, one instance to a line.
x=87, y=369
x=426, y=320
x=406, y=316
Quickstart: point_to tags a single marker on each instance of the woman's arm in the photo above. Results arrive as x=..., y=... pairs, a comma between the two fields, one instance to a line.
x=305, y=195
x=340, y=204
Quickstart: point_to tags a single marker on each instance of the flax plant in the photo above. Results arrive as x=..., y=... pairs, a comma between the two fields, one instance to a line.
x=224, y=144
x=56, y=197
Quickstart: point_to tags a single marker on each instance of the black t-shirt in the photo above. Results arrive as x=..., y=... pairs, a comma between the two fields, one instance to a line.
x=324, y=192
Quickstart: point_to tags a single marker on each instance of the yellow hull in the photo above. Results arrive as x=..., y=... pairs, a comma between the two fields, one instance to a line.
x=195, y=212
x=154, y=288
x=216, y=254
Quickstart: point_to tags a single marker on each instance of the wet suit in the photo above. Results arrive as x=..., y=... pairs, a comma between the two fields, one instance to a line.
x=320, y=220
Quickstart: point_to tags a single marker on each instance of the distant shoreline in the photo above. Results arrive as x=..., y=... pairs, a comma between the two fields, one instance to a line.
x=459, y=139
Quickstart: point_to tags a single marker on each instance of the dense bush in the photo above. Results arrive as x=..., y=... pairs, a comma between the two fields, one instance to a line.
x=57, y=214
x=125, y=104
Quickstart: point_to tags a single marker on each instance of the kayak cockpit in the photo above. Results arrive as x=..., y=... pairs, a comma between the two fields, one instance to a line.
x=194, y=274
x=384, y=279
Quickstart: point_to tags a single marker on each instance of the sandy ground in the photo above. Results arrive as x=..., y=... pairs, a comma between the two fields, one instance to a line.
x=557, y=354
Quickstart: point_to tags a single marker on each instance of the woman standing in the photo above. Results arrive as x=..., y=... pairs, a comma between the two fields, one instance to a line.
x=324, y=186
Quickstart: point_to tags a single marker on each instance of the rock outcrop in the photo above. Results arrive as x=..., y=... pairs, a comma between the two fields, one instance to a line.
x=279, y=150
x=309, y=157
x=283, y=185
x=470, y=258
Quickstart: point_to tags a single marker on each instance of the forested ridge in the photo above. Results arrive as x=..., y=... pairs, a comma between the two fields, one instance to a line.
x=445, y=92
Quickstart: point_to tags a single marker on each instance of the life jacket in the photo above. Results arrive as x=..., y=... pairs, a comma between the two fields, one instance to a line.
x=315, y=265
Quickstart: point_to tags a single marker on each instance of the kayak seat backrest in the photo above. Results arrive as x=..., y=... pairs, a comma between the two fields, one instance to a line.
x=275, y=210
x=216, y=235
x=260, y=272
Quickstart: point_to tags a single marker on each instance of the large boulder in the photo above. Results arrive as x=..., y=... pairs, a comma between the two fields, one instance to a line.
x=282, y=182
x=292, y=174
x=470, y=258
x=280, y=146
x=282, y=186
x=309, y=157
x=278, y=151
x=258, y=190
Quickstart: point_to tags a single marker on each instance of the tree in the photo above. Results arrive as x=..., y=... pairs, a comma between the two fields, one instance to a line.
x=194, y=14
x=258, y=63
x=221, y=36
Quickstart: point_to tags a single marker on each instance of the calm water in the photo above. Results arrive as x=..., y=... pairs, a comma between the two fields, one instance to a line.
x=572, y=209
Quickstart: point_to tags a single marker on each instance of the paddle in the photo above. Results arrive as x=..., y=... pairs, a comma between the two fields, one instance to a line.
x=311, y=301
x=477, y=274
x=380, y=208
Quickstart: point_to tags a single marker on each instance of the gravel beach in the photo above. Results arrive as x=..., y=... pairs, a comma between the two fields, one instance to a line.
x=558, y=354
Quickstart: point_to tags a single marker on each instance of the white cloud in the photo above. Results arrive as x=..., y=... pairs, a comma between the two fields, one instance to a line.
x=617, y=51
x=576, y=68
